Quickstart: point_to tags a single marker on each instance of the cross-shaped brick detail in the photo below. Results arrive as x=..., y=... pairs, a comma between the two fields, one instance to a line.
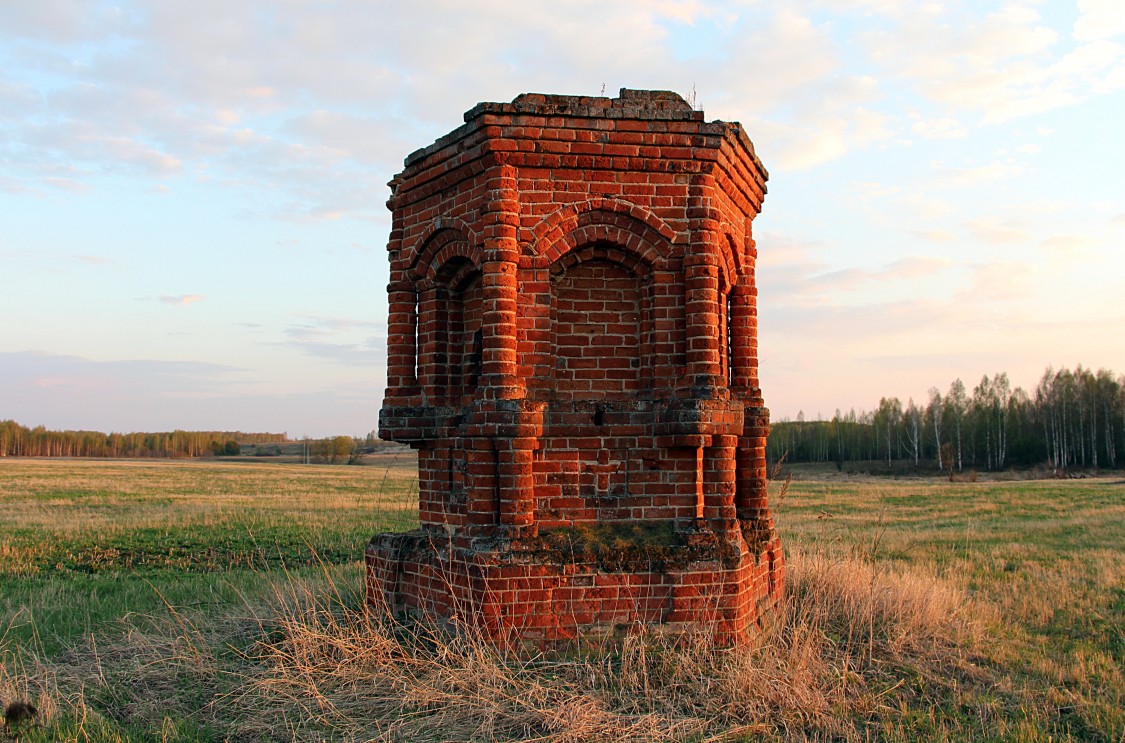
x=603, y=469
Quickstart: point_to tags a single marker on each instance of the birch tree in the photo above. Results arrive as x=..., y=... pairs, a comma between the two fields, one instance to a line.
x=886, y=420
x=912, y=426
x=1001, y=395
x=934, y=411
x=956, y=402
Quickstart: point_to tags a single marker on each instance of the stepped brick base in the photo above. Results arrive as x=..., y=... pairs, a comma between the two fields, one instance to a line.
x=531, y=593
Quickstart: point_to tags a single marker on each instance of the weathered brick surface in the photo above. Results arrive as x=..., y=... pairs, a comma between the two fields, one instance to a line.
x=572, y=348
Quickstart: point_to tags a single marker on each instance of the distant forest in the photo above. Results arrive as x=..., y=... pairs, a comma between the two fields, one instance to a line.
x=20, y=441
x=1071, y=419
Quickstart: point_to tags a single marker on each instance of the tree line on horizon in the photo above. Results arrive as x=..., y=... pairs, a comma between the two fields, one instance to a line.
x=1071, y=419
x=20, y=441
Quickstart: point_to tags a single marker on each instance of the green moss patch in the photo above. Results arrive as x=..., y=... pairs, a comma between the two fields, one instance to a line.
x=631, y=546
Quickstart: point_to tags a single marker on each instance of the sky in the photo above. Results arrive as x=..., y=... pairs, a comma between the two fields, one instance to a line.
x=192, y=193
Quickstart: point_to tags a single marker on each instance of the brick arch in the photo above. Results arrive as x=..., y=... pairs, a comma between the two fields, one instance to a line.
x=725, y=259
x=455, y=272
x=603, y=220
x=447, y=239
x=731, y=266
x=604, y=250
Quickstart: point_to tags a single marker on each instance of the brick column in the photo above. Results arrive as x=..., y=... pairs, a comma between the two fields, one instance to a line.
x=719, y=507
x=534, y=332
x=743, y=332
x=667, y=324
x=700, y=484
x=515, y=458
x=499, y=378
x=401, y=329
x=500, y=284
x=751, y=497
x=701, y=306
x=482, y=489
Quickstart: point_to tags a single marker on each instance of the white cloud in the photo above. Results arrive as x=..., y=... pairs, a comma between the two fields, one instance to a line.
x=1067, y=243
x=773, y=58
x=940, y=128
x=1068, y=251
x=289, y=96
x=994, y=171
x=929, y=208
x=903, y=269
x=1005, y=65
x=12, y=185
x=999, y=282
x=783, y=77
x=871, y=323
x=41, y=369
x=776, y=249
x=995, y=231
x=344, y=340
x=181, y=299
x=67, y=184
x=938, y=236
x=913, y=266
x=808, y=146
x=59, y=21
x=1099, y=19
x=871, y=191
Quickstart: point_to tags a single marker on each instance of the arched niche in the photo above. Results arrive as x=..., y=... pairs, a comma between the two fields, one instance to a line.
x=450, y=343
x=600, y=327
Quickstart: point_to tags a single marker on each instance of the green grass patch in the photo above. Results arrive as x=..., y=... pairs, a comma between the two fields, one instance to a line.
x=84, y=544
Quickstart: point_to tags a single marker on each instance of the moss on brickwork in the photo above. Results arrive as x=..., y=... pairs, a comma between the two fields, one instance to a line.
x=632, y=546
x=758, y=535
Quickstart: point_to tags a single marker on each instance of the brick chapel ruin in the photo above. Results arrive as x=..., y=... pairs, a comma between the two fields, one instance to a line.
x=572, y=349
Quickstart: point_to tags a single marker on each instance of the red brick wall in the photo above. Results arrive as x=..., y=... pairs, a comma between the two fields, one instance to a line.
x=580, y=480
x=595, y=332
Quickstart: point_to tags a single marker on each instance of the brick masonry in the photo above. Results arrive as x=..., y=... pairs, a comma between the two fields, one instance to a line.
x=572, y=349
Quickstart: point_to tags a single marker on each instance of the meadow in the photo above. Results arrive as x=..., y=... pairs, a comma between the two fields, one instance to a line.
x=201, y=600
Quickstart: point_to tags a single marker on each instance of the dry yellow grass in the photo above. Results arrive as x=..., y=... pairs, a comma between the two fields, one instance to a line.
x=314, y=666
x=915, y=610
x=65, y=496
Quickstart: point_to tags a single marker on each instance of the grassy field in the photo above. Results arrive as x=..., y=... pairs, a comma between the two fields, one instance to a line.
x=83, y=543
x=221, y=601
x=1042, y=563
